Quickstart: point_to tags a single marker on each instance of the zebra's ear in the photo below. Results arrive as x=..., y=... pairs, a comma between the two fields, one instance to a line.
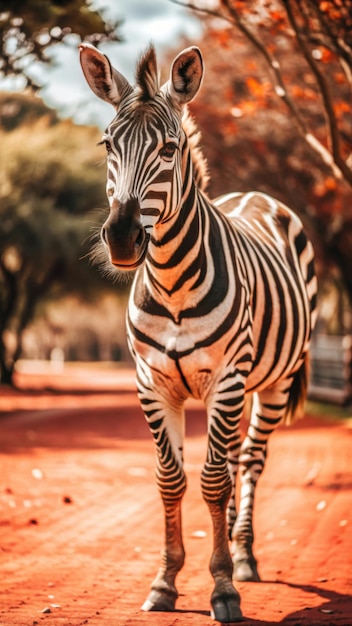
x=185, y=76
x=106, y=82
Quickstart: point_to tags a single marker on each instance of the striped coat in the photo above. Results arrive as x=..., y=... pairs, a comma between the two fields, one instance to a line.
x=222, y=306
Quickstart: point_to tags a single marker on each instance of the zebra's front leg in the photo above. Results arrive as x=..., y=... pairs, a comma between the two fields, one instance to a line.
x=216, y=489
x=163, y=594
x=168, y=436
x=267, y=412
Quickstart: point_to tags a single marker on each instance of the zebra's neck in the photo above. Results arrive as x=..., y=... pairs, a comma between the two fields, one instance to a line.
x=185, y=266
x=175, y=251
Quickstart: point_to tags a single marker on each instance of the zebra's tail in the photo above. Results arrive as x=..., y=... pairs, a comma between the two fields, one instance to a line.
x=298, y=392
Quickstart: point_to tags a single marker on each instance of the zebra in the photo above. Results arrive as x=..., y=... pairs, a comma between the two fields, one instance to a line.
x=221, y=308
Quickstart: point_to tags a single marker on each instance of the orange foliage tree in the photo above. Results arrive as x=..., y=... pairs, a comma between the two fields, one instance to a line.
x=275, y=111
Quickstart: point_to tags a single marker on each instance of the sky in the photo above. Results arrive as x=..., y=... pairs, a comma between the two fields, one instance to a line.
x=159, y=21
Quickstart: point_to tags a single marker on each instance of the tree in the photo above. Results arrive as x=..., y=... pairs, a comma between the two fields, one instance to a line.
x=277, y=68
x=28, y=28
x=321, y=33
x=48, y=180
x=49, y=183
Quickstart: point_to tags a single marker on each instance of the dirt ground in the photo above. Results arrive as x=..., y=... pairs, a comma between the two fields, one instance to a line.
x=81, y=519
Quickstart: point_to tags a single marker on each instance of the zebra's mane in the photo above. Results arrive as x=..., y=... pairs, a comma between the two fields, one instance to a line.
x=147, y=79
x=147, y=76
x=199, y=162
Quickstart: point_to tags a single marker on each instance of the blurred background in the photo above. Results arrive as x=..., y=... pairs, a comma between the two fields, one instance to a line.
x=275, y=112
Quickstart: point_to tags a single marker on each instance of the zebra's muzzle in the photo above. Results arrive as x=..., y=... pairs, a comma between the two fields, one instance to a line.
x=126, y=253
x=142, y=251
x=124, y=235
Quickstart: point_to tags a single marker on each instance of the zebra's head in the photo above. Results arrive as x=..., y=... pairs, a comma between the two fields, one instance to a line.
x=145, y=145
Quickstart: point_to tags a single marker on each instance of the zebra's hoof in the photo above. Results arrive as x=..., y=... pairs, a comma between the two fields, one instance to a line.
x=160, y=601
x=225, y=608
x=245, y=570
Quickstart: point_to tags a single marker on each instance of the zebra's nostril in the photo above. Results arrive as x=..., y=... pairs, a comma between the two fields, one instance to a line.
x=103, y=234
x=140, y=238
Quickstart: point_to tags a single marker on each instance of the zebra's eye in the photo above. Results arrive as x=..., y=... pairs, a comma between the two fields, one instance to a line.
x=168, y=150
x=108, y=147
x=106, y=143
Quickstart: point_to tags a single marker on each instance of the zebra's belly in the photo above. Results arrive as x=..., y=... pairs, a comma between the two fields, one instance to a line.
x=177, y=380
x=176, y=375
x=191, y=358
x=182, y=364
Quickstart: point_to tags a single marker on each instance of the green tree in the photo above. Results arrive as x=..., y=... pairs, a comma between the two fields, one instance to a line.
x=28, y=28
x=49, y=180
x=49, y=183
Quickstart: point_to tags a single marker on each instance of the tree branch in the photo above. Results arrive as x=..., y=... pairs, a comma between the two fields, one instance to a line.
x=332, y=126
x=342, y=48
x=278, y=81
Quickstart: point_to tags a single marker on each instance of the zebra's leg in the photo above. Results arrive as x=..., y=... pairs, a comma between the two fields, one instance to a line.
x=267, y=412
x=233, y=453
x=167, y=427
x=216, y=489
x=232, y=457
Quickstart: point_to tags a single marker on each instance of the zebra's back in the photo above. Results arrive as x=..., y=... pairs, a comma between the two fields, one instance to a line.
x=279, y=263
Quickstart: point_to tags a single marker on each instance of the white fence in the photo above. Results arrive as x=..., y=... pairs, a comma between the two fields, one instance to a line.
x=331, y=368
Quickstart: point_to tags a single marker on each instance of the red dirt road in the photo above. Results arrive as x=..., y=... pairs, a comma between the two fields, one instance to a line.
x=81, y=519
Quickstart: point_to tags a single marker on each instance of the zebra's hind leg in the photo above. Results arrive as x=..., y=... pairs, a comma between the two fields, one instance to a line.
x=267, y=412
x=232, y=458
x=233, y=453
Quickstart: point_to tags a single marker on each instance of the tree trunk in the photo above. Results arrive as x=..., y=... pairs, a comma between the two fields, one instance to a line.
x=6, y=371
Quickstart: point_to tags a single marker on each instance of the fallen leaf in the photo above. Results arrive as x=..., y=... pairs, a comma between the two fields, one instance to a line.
x=199, y=534
x=321, y=505
x=37, y=473
x=270, y=535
